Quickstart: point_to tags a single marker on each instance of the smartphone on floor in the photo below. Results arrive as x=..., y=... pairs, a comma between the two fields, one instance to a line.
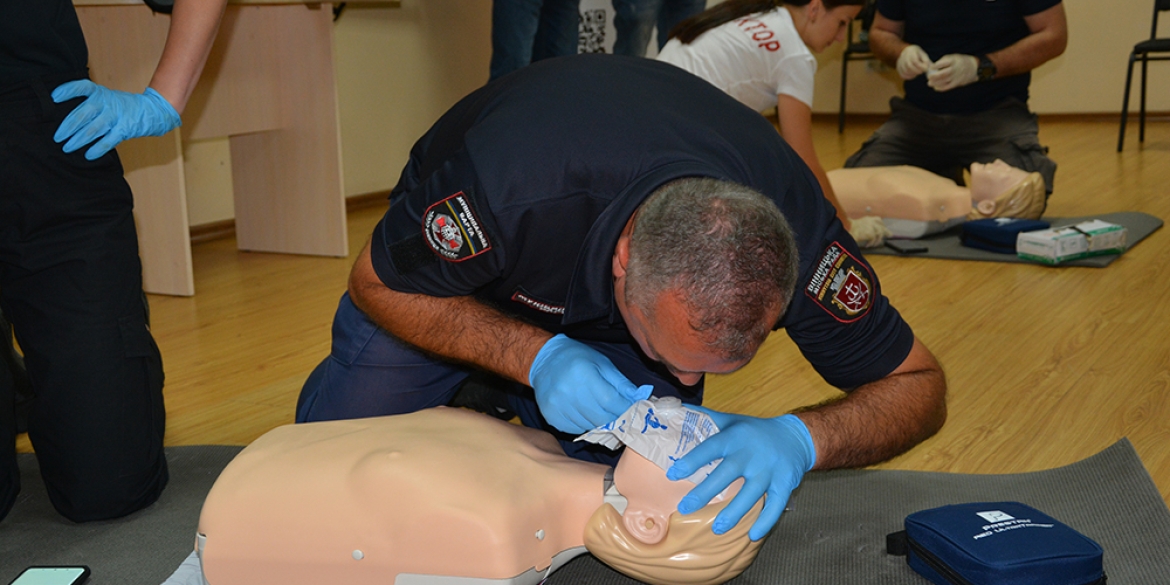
x=55, y=575
x=906, y=246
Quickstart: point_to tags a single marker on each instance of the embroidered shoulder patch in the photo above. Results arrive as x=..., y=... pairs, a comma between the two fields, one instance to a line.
x=453, y=231
x=841, y=285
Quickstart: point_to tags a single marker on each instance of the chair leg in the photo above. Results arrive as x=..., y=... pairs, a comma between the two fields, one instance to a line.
x=1125, y=105
x=1142, y=112
x=841, y=110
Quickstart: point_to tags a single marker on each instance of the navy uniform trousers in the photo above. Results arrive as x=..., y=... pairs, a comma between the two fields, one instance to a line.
x=71, y=285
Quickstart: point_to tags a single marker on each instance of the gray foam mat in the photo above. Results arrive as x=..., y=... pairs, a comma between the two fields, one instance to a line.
x=143, y=548
x=833, y=533
x=946, y=244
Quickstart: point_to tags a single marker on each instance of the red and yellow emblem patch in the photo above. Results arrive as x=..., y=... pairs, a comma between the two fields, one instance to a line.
x=453, y=231
x=841, y=285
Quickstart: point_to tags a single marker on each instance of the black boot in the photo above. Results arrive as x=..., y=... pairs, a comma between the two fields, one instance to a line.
x=486, y=393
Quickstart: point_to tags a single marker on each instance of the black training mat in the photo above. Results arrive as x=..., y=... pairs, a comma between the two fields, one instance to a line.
x=946, y=244
x=834, y=532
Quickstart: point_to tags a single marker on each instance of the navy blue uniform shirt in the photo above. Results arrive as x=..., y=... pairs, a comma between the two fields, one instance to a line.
x=518, y=194
x=967, y=27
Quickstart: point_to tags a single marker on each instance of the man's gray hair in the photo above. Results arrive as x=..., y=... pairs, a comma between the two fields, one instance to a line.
x=726, y=248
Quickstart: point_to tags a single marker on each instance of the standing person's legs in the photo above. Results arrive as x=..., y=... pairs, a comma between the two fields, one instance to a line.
x=71, y=284
x=674, y=12
x=634, y=21
x=514, y=24
x=370, y=373
x=557, y=34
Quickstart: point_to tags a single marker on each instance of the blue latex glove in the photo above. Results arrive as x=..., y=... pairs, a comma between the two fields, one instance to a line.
x=112, y=116
x=579, y=389
x=771, y=454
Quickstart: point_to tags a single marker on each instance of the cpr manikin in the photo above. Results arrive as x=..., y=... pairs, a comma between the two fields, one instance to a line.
x=445, y=493
x=914, y=202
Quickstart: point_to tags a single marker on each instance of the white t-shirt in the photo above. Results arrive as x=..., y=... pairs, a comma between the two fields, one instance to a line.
x=754, y=59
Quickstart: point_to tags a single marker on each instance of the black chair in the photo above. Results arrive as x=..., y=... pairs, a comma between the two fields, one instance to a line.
x=1154, y=49
x=855, y=51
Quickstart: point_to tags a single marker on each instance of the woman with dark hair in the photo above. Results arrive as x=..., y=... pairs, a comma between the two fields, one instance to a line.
x=760, y=53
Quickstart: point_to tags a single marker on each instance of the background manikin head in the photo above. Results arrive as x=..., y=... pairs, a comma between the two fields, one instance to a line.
x=989, y=180
x=1001, y=190
x=440, y=492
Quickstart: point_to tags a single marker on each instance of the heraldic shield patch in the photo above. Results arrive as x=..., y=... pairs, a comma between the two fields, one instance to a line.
x=841, y=285
x=453, y=231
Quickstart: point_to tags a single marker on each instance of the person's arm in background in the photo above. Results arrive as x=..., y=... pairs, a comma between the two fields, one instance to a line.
x=1048, y=39
x=576, y=387
x=885, y=40
x=194, y=24
x=796, y=127
x=110, y=116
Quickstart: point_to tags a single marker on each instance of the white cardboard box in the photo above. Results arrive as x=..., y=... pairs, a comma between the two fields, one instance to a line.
x=1089, y=238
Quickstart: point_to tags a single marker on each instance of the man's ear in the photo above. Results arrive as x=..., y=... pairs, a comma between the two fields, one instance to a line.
x=621, y=255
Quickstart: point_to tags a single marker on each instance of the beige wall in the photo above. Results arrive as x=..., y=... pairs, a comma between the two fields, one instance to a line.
x=399, y=69
x=1088, y=78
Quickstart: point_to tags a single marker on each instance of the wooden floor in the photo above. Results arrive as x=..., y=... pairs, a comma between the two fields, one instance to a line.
x=1045, y=366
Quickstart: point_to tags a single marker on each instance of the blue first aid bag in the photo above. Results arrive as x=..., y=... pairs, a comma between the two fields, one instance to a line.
x=999, y=234
x=996, y=543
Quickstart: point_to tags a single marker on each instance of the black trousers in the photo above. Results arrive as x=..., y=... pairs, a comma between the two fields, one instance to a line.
x=945, y=144
x=71, y=285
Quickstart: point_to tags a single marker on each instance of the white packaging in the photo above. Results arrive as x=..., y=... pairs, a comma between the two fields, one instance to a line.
x=1088, y=238
x=1103, y=237
x=1051, y=246
x=659, y=429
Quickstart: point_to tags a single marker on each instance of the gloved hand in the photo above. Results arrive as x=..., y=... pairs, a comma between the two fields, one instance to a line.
x=913, y=61
x=771, y=454
x=952, y=71
x=869, y=231
x=579, y=389
x=112, y=116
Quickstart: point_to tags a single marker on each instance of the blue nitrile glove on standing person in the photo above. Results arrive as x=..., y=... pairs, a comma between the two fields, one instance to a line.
x=577, y=388
x=112, y=116
x=771, y=454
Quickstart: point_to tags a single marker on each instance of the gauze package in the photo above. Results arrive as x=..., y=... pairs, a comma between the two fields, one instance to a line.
x=659, y=429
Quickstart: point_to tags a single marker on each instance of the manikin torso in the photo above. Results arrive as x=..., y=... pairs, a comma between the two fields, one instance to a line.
x=439, y=492
x=419, y=498
x=902, y=192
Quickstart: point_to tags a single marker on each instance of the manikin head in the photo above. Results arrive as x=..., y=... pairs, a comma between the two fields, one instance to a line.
x=652, y=542
x=702, y=271
x=442, y=492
